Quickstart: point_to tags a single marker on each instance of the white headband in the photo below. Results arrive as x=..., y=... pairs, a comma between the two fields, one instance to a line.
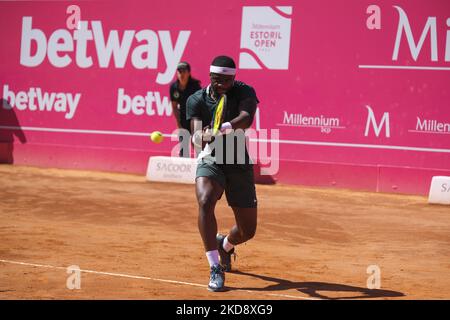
x=222, y=70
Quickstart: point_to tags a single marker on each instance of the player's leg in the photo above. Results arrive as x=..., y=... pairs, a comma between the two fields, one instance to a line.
x=209, y=190
x=241, y=196
x=208, y=193
x=242, y=231
x=245, y=228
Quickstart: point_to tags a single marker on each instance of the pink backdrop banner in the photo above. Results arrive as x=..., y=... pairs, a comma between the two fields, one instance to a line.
x=359, y=90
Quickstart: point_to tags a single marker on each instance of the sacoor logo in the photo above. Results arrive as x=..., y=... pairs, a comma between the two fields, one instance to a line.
x=265, y=37
x=173, y=167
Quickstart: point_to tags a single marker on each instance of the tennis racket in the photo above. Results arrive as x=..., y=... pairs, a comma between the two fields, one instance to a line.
x=216, y=123
x=219, y=115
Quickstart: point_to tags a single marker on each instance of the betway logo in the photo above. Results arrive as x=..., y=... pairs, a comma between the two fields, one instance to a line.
x=61, y=43
x=38, y=100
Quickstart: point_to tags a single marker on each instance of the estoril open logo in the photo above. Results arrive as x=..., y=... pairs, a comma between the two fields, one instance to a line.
x=265, y=37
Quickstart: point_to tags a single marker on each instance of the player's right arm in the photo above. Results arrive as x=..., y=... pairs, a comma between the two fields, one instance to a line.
x=197, y=133
x=194, y=115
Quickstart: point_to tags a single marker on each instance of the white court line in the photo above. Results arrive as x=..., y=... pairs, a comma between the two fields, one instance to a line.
x=368, y=66
x=121, y=275
x=312, y=143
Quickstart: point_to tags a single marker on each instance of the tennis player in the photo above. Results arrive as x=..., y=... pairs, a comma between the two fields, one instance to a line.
x=214, y=176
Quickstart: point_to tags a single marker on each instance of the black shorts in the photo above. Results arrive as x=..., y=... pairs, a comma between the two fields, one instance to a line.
x=237, y=180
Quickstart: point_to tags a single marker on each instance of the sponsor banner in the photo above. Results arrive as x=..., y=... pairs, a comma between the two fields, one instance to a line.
x=265, y=37
x=364, y=84
x=171, y=169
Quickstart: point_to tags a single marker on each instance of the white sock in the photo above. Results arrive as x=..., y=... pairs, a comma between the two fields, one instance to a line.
x=227, y=245
x=213, y=257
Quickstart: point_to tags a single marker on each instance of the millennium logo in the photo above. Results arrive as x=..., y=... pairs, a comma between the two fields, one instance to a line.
x=433, y=126
x=300, y=120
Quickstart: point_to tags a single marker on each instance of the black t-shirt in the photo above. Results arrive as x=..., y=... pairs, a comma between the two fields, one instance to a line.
x=181, y=96
x=241, y=97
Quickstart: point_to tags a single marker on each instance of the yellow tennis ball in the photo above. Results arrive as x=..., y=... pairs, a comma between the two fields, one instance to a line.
x=156, y=137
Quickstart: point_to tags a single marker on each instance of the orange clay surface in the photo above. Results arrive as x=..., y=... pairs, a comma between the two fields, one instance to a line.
x=134, y=239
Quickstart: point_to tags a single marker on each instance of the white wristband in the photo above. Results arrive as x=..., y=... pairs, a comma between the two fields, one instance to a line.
x=225, y=126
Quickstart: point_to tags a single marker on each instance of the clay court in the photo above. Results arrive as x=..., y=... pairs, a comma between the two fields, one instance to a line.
x=138, y=240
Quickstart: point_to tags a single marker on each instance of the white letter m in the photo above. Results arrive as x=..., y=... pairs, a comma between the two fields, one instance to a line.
x=403, y=24
x=377, y=128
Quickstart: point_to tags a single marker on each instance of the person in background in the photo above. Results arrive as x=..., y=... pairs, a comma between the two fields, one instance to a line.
x=180, y=90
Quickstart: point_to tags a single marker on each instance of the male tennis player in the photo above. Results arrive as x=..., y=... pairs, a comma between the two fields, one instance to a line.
x=214, y=176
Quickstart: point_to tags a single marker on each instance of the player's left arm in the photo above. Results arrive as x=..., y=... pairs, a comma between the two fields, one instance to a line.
x=247, y=109
x=247, y=103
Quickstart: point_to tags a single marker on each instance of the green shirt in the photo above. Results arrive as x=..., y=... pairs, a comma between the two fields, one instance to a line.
x=241, y=97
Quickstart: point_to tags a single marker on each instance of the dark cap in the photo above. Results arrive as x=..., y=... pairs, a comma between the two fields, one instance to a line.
x=183, y=65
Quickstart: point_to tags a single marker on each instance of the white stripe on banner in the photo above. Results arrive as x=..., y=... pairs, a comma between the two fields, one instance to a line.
x=428, y=132
x=120, y=133
x=353, y=145
x=363, y=66
x=299, y=142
